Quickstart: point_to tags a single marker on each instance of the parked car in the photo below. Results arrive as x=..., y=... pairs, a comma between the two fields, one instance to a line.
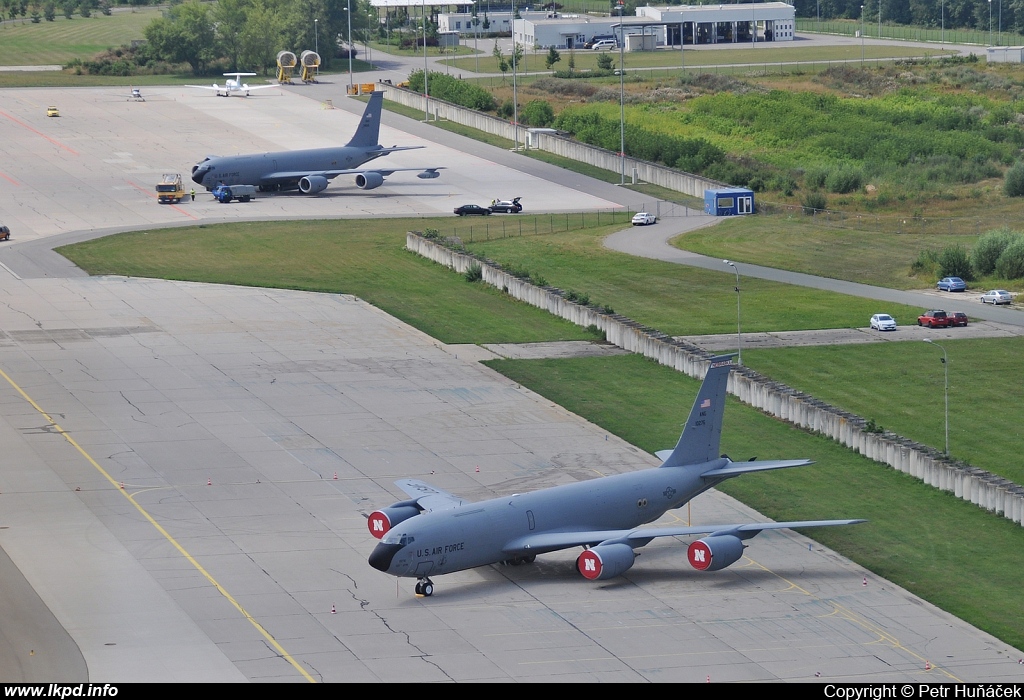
x=936, y=318
x=52, y=111
x=951, y=284
x=470, y=209
x=605, y=45
x=958, y=319
x=644, y=219
x=598, y=37
x=509, y=206
x=883, y=322
x=5, y=233
x=996, y=296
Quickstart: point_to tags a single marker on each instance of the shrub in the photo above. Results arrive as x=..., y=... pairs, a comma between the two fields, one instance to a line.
x=1013, y=186
x=989, y=247
x=474, y=273
x=1010, y=265
x=451, y=89
x=538, y=113
x=926, y=264
x=955, y=262
x=844, y=180
x=814, y=200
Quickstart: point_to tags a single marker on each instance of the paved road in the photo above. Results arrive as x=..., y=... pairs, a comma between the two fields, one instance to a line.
x=653, y=242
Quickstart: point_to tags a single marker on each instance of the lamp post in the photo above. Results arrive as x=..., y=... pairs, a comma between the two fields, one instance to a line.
x=739, y=337
x=880, y=18
x=622, y=98
x=989, y=22
x=942, y=19
x=426, y=87
x=316, y=36
x=945, y=363
x=862, y=36
x=348, y=11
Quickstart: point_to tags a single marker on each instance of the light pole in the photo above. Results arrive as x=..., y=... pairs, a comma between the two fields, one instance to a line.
x=622, y=100
x=739, y=337
x=426, y=87
x=945, y=363
x=880, y=18
x=942, y=19
x=989, y=22
x=862, y=37
x=348, y=11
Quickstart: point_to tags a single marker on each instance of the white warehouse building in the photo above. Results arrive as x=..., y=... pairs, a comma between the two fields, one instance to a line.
x=696, y=24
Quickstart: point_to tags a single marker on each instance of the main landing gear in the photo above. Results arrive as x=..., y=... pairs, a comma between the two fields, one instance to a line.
x=425, y=587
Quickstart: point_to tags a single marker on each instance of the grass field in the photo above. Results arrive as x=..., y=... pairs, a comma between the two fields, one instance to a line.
x=348, y=257
x=60, y=41
x=817, y=58
x=945, y=550
x=676, y=299
x=801, y=244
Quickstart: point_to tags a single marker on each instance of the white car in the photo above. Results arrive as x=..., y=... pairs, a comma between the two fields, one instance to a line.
x=643, y=219
x=605, y=45
x=883, y=322
x=996, y=296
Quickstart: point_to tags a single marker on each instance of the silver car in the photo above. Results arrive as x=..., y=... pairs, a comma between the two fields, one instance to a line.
x=883, y=322
x=996, y=296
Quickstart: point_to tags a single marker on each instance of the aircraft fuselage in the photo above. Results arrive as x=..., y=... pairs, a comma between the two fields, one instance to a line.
x=259, y=169
x=477, y=534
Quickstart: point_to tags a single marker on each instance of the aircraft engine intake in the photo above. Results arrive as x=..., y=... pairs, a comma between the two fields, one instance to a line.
x=605, y=561
x=311, y=184
x=714, y=553
x=369, y=181
x=380, y=521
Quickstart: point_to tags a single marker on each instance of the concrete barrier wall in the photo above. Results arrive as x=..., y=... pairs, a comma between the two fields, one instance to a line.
x=978, y=486
x=653, y=173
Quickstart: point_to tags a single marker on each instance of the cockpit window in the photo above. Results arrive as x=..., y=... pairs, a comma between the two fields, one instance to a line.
x=398, y=538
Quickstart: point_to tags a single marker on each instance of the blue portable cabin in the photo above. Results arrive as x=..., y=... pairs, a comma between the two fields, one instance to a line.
x=730, y=201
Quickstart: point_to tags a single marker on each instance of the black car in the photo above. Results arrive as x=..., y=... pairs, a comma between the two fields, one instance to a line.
x=469, y=209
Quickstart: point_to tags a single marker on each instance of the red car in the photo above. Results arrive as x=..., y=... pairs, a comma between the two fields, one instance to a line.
x=958, y=319
x=935, y=318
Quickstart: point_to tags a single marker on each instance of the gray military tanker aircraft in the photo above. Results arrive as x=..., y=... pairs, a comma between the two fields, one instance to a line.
x=312, y=169
x=436, y=533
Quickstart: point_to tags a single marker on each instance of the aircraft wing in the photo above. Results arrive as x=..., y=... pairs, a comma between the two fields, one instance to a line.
x=207, y=87
x=428, y=497
x=330, y=174
x=552, y=541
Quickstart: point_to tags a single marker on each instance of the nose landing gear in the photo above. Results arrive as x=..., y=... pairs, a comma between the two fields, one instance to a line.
x=425, y=587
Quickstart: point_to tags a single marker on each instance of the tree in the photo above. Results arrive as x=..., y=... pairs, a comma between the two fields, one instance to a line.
x=552, y=58
x=517, y=56
x=230, y=18
x=604, y=61
x=500, y=58
x=260, y=37
x=186, y=35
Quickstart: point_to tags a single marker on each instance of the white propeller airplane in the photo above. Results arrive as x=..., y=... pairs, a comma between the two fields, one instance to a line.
x=233, y=85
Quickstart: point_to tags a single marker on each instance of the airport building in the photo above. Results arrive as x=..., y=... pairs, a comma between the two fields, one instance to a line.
x=693, y=24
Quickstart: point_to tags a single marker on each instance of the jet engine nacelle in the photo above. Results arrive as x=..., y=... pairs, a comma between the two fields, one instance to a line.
x=369, y=181
x=714, y=553
x=605, y=561
x=380, y=521
x=311, y=184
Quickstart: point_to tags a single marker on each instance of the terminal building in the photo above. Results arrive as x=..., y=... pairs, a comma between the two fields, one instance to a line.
x=672, y=25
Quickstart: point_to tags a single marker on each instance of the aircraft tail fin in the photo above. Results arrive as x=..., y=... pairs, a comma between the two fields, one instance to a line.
x=702, y=434
x=368, y=132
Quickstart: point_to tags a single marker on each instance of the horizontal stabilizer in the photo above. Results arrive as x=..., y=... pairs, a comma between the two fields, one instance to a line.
x=737, y=468
x=428, y=497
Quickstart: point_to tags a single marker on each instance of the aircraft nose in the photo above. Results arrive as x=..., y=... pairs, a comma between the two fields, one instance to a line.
x=382, y=554
x=198, y=174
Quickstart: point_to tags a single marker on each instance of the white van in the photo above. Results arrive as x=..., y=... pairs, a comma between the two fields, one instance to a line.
x=605, y=45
